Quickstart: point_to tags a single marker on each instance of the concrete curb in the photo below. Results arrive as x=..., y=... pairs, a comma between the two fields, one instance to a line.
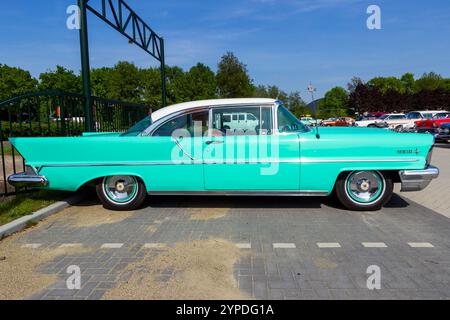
x=21, y=223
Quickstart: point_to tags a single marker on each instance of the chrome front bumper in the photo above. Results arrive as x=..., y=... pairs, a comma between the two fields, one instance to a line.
x=417, y=180
x=25, y=179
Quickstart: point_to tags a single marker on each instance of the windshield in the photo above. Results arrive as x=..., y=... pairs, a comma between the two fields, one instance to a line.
x=384, y=117
x=138, y=127
x=287, y=122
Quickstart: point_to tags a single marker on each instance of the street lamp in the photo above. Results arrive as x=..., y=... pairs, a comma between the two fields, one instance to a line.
x=311, y=89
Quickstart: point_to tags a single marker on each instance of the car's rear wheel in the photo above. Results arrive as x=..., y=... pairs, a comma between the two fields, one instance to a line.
x=364, y=190
x=121, y=193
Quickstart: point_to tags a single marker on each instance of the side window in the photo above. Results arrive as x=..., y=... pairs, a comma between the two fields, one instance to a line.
x=194, y=123
x=413, y=115
x=245, y=120
x=266, y=118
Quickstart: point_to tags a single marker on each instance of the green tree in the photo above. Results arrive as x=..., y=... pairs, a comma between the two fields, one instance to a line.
x=387, y=84
x=233, y=80
x=151, y=87
x=201, y=83
x=260, y=91
x=60, y=79
x=430, y=81
x=125, y=82
x=15, y=81
x=177, y=85
x=101, y=82
x=334, y=104
x=408, y=82
x=297, y=106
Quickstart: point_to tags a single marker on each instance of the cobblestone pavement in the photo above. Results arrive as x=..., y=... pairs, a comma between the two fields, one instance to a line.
x=436, y=196
x=295, y=248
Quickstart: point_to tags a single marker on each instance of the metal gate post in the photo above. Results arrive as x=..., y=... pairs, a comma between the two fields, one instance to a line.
x=163, y=74
x=85, y=67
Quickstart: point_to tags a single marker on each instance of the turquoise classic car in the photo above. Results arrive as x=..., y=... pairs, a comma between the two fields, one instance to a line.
x=192, y=149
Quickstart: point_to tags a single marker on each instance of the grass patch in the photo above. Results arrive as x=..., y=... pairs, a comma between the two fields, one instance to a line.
x=14, y=207
x=7, y=149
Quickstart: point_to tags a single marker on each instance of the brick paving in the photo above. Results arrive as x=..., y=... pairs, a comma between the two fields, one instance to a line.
x=302, y=249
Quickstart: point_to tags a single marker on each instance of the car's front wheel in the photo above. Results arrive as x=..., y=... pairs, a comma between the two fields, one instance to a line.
x=121, y=193
x=364, y=190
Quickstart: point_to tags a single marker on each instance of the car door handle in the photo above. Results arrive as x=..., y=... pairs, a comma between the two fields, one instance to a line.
x=214, y=142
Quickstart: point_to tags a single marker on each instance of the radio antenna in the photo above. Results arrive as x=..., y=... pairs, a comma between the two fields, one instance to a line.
x=311, y=89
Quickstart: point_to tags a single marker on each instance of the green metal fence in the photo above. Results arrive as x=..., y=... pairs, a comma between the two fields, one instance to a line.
x=56, y=114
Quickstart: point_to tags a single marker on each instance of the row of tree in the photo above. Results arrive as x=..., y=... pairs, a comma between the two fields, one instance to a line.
x=388, y=94
x=129, y=83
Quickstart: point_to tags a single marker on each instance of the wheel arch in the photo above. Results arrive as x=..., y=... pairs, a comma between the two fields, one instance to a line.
x=93, y=181
x=394, y=175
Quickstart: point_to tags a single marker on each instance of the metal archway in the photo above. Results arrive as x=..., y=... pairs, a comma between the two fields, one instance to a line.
x=122, y=18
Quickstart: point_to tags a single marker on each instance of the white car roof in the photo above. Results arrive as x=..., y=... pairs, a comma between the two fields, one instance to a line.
x=429, y=111
x=161, y=113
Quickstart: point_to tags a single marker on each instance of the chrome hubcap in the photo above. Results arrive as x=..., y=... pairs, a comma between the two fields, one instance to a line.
x=120, y=189
x=365, y=186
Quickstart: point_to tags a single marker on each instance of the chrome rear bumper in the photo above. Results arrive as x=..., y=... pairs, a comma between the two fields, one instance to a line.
x=24, y=179
x=417, y=180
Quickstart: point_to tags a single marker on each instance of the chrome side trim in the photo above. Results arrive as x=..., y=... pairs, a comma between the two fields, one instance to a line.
x=262, y=193
x=417, y=180
x=306, y=160
x=199, y=162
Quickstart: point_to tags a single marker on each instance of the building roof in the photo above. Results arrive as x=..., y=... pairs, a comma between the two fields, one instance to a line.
x=161, y=113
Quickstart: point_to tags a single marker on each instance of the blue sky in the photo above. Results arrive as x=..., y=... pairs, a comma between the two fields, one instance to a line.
x=283, y=42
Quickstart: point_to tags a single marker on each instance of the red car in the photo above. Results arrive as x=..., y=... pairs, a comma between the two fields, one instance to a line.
x=432, y=125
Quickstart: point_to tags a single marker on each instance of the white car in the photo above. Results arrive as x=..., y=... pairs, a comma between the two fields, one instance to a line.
x=239, y=121
x=392, y=121
x=414, y=116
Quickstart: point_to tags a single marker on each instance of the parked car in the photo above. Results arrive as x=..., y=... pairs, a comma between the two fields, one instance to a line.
x=370, y=121
x=239, y=121
x=391, y=121
x=309, y=121
x=376, y=114
x=181, y=150
x=413, y=117
x=338, y=122
x=443, y=133
x=432, y=125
